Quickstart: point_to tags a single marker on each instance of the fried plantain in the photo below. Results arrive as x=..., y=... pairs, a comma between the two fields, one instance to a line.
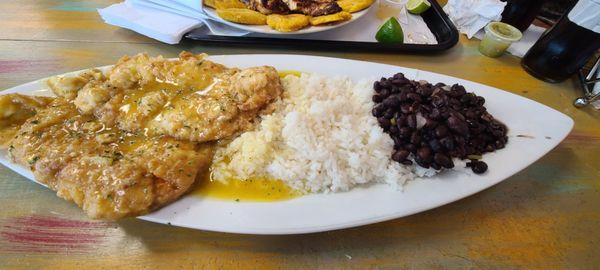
x=354, y=5
x=243, y=16
x=337, y=17
x=288, y=23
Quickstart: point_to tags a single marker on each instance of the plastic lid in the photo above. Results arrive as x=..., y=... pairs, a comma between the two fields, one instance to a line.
x=503, y=31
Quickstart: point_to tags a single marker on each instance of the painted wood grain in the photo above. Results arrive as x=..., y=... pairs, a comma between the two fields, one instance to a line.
x=547, y=216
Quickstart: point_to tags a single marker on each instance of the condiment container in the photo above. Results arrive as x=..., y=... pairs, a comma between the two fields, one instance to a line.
x=498, y=37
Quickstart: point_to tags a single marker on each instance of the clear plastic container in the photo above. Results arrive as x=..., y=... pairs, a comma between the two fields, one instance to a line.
x=498, y=37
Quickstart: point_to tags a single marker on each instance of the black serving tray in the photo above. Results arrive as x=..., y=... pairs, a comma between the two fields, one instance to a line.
x=435, y=18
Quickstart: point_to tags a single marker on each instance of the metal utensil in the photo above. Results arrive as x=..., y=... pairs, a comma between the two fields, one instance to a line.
x=587, y=83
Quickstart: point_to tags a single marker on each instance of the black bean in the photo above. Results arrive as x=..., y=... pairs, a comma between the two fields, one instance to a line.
x=425, y=91
x=407, y=162
x=404, y=132
x=399, y=82
x=466, y=99
x=447, y=142
x=497, y=133
x=384, y=122
x=458, y=90
x=377, y=98
x=400, y=155
x=389, y=114
x=422, y=163
x=411, y=147
x=443, y=160
x=457, y=125
x=386, y=83
x=405, y=108
x=435, y=145
x=478, y=167
x=384, y=93
x=411, y=121
x=458, y=115
x=439, y=101
x=377, y=86
x=378, y=111
x=401, y=121
x=444, y=114
x=391, y=101
x=415, y=138
x=414, y=97
x=480, y=101
x=393, y=130
x=398, y=141
x=471, y=114
x=434, y=114
x=430, y=124
x=441, y=131
x=425, y=154
x=415, y=107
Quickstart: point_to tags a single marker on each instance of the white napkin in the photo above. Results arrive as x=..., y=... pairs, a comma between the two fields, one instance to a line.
x=164, y=20
x=470, y=16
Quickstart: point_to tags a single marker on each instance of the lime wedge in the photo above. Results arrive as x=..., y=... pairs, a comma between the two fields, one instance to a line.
x=417, y=6
x=390, y=32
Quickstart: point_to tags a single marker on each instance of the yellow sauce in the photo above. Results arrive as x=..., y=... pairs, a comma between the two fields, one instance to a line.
x=256, y=190
x=283, y=73
x=387, y=10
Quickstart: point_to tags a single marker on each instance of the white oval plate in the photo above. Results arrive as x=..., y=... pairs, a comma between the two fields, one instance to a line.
x=544, y=128
x=265, y=29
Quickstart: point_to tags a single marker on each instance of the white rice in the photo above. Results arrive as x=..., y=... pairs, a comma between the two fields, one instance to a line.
x=320, y=138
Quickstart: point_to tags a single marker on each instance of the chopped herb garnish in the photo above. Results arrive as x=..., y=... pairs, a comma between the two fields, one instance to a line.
x=33, y=160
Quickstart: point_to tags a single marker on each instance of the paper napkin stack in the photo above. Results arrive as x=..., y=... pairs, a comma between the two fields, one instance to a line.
x=164, y=20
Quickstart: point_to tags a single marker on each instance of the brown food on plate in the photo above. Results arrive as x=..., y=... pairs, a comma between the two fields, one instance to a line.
x=307, y=7
x=267, y=6
x=135, y=138
x=431, y=124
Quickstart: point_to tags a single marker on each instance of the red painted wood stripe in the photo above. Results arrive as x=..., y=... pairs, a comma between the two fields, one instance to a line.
x=10, y=66
x=47, y=234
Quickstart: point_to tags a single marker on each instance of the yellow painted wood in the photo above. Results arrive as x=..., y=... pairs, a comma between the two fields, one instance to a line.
x=547, y=216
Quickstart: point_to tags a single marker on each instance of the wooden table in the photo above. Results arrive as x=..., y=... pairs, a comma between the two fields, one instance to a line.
x=547, y=216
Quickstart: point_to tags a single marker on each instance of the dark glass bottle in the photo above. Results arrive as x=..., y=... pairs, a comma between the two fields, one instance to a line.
x=521, y=13
x=565, y=48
